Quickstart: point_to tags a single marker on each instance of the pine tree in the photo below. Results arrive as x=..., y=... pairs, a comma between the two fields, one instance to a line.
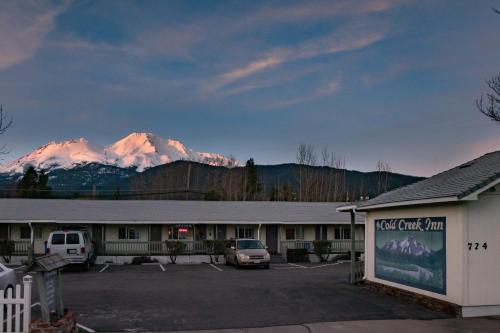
x=252, y=185
x=33, y=185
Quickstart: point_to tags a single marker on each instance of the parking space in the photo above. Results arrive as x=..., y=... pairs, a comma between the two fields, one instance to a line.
x=183, y=297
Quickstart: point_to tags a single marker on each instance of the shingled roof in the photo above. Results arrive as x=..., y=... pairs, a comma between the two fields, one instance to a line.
x=170, y=211
x=452, y=185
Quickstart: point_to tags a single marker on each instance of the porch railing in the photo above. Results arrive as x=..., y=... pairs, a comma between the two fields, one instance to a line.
x=338, y=245
x=21, y=248
x=137, y=248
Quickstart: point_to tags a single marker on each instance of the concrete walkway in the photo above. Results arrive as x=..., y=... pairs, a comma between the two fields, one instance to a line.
x=469, y=325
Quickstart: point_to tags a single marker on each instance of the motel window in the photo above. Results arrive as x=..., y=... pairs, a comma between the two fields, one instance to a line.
x=346, y=233
x=25, y=233
x=128, y=233
x=181, y=232
x=342, y=232
x=244, y=232
x=294, y=232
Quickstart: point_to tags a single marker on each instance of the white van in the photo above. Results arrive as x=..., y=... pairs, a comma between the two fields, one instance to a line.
x=73, y=245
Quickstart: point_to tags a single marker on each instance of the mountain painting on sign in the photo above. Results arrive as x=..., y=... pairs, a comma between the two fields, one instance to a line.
x=412, y=251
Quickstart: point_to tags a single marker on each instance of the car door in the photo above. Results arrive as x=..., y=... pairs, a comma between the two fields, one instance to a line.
x=58, y=243
x=74, y=244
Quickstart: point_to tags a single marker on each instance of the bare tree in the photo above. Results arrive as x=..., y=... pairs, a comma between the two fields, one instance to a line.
x=383, y=170
x=489, y=104
x=306, y=157
x=5, y=123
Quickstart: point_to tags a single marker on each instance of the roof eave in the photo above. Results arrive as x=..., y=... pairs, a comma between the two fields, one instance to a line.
x=474, y=195
x=408, y=203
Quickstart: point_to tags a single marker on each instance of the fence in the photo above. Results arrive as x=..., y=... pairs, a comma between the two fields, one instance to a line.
x=138, y=248
x=17, y=306
x=21, y=248
x=338, y=245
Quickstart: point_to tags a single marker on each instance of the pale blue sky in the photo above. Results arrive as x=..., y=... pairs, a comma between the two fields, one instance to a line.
x=391, y=80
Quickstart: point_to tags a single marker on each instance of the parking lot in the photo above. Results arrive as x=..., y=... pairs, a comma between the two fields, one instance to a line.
x=183, y=297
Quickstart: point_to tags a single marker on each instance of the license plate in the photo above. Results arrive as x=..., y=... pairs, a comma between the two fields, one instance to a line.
x=256, y=261
x=72, y=251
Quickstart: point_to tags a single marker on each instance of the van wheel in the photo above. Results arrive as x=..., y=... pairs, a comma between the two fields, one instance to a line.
x=236, y=264
x=226, y=262
x=86, y=265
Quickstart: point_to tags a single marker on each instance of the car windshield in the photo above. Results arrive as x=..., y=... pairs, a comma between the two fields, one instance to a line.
x=249, y=244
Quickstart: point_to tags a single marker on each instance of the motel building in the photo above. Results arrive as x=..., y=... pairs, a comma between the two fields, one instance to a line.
x=438, y=241
x=123, y=229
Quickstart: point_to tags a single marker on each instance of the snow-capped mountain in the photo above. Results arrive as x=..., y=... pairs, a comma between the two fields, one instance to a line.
x=409, y=246
x=140, y=150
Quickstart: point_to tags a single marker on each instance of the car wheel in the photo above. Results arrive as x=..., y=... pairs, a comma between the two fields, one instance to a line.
x=236, y=264
x=225, y=261
x=86, y=265
x=266, y=266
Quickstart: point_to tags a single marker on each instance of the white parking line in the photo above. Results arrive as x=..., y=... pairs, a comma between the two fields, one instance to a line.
x=85, y=328
x=103, y=269
x=23, y=266
x=217, y=268
x=162, y=268
x=296, y=265
x=324, y=265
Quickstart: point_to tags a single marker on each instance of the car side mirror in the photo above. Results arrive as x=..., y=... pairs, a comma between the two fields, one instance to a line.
x=233, y=248
x=266, y=247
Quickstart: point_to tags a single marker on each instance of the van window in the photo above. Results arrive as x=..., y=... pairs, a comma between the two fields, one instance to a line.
x=72, y=239
x=57, y=239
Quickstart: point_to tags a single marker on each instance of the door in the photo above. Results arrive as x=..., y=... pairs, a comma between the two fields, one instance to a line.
x=221, y=232
x=272, y=238
x=155, y=233
x=4, y=231
x=155, y=245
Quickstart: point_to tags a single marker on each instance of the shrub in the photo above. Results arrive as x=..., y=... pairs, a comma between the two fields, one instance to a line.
x=6, y=249
x=322, y=249
x=214, y=248
x=143, y=260
x=174, y=248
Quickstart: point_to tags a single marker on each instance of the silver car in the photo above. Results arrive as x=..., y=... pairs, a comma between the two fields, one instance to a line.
x=247, y=252
x=7, y=279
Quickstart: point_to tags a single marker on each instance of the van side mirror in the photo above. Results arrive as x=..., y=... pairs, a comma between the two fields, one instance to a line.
x=266, y=247
x=233, y=248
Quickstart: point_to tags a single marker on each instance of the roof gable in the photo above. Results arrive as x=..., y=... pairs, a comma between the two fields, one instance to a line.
x=451, y=185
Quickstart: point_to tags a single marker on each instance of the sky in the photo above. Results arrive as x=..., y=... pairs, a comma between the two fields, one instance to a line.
x=389, y=80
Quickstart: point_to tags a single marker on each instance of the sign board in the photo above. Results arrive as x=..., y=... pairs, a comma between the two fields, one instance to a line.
x=48, y=269
x=412, y=252
x=50, y=280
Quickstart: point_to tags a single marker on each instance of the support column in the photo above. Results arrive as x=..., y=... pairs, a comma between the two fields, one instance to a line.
x=353, y=248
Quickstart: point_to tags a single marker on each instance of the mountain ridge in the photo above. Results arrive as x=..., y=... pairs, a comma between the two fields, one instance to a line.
x=138, y=149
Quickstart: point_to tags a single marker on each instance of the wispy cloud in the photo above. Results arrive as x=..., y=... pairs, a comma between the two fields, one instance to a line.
x=328, y=89
x=349, y=38
x=23, y=28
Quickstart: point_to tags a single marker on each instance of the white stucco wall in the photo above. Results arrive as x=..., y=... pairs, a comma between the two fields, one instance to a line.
x=455, y=249
x=483, y=226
